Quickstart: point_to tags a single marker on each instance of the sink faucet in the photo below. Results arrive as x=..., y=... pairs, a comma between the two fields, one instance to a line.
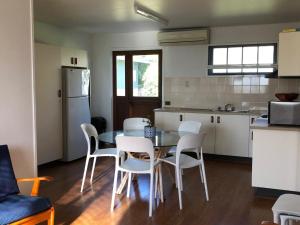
x=229, y=107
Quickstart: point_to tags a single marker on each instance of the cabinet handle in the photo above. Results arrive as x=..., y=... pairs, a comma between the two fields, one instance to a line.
x=252, y=120
x=180, y=118
x=218, y=119
x=75, y=61
x=72, y=60
x=251, y=135
x=212, y=120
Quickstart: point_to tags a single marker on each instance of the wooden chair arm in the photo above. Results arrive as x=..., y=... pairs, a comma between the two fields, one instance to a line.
x=268, y=223
x=36, y=183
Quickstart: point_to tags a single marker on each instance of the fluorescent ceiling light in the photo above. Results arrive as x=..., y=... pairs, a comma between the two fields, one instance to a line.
x=148, y=13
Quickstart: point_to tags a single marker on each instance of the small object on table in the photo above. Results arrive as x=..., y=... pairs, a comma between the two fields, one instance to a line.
x=149, y=131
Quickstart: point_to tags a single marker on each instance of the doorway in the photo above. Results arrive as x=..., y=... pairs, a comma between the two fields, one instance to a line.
x=137, y=84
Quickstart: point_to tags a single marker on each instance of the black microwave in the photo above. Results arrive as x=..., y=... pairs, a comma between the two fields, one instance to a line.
x=284, y=113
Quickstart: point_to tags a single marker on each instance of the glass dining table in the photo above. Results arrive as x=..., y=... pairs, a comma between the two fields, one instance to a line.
x=162, y=141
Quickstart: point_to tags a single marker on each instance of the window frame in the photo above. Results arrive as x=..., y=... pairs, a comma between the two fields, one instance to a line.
x=210, y=59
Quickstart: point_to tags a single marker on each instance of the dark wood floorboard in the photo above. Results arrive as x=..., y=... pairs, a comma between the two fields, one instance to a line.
x=232, y=200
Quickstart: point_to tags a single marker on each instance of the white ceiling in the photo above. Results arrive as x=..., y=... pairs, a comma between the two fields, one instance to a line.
x=119, y=16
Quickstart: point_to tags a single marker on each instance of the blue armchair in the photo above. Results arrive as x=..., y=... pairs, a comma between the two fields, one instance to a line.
x=18, y=209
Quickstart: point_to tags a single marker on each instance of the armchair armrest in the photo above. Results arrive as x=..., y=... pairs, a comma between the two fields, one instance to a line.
x=268, y=223
x=36, y=183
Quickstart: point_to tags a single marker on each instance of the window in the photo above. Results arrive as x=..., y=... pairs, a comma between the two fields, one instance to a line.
x=242, y=59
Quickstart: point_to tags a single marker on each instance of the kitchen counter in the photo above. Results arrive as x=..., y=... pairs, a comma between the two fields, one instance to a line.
x=207, y=111
x=263, y=124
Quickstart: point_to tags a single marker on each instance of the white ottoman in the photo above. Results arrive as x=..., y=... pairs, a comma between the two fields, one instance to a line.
x=287, y=207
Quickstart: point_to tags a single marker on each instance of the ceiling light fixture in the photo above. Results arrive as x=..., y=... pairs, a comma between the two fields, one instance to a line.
x=148, y=13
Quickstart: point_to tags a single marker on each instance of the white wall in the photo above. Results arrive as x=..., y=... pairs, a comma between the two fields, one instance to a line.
x=102, y=47
x=51, y=34
x=178, y=61
x=17, y=112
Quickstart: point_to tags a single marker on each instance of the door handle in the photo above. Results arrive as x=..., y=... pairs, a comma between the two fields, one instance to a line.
x=212, y=119
x=218, y=119
x=180, y=117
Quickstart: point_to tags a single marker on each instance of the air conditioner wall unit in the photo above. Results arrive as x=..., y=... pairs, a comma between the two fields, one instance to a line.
x=184, y=37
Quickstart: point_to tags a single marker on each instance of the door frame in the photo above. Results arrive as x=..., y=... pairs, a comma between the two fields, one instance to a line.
x=128, y=81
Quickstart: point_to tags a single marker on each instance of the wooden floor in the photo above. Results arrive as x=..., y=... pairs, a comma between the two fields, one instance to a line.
x=232, y=200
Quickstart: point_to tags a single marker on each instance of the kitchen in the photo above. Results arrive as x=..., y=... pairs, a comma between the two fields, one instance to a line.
x=239, y=143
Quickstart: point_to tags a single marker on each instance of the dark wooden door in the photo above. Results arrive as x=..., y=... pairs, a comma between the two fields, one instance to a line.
x=137, y=84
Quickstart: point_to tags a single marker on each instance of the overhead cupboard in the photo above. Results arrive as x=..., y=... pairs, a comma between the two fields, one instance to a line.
x=289, y=54
x=227, y=134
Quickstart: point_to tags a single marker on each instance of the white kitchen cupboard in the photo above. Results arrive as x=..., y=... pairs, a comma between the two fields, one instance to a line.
x=232, y=135
x=168, y=120
x=48, y=103
x=208, y=126
x=226, y=134
x=276, y=159
x=289, y=54
x=74, y=57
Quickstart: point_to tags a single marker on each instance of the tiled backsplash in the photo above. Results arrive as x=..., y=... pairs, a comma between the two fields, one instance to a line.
x=211, y=92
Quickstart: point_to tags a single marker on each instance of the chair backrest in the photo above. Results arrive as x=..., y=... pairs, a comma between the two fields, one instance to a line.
x=90, y=132
x=136, y=123
x=136, y=145
x=8, y=182
x=190, y=126
x=189, y=141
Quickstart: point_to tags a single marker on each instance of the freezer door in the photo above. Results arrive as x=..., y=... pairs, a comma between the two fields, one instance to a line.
x=77, y=112
x=76, y=82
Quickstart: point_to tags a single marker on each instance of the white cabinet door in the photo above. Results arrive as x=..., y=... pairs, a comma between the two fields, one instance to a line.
x=168, y=120
x=74, y=57
x=82, y=58
x=48, y=103
x=66, y=56
x=289, y=54
x=232, y=135
x=276, y=159
x=208, y=126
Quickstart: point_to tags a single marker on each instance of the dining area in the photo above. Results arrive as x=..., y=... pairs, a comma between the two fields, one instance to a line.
x=141, y=149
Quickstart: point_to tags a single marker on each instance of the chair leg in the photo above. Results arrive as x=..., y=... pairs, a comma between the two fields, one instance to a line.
x=51, y=219
x=129, y=183
x=204, y=179
x=84, y=173
x=181, y=183
x=161, y=184
x=176, y=181
x=114, y=191
x=156, y=182
x=198, y=157
x=93, y=169
x=122, y=161
x=151, y=194
x=178, y=172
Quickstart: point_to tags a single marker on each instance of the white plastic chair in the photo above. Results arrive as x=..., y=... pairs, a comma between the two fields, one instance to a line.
x=90, y=132
x=135, y=123
x=191, y=127
x=135, y=166
x=286, y=209
x=182, y=161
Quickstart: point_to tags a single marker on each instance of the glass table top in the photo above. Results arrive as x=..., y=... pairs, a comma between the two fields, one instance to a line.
x=161, y=138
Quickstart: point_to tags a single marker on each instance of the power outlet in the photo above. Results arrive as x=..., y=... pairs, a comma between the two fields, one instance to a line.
x=167, y=102
x=186, y=83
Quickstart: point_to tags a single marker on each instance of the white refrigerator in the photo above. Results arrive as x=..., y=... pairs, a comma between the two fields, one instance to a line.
x=76, y=110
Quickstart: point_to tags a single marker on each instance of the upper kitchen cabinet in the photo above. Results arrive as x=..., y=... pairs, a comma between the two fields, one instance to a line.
x=289, y=54
x=74, y=57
